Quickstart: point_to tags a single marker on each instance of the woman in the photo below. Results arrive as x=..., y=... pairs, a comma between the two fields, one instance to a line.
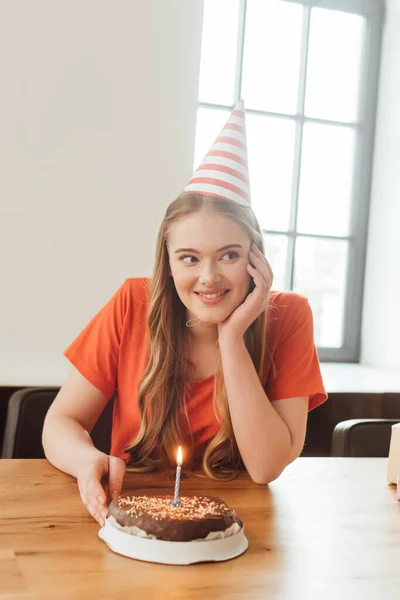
x=202, y=356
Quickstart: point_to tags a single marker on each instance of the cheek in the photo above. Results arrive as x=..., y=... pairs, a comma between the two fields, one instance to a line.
x=242, y=277
x=182, y=278
x=242, y=285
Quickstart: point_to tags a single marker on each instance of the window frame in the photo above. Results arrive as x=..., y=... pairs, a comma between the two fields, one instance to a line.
x=374, y=13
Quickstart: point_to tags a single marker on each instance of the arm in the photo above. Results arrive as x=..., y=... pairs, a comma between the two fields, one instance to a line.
x=269, y=436
x=69, y=447
x=73, y=414
x=70, y=419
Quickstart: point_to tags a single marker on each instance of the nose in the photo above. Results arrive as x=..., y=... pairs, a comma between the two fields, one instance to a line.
x=209, y=273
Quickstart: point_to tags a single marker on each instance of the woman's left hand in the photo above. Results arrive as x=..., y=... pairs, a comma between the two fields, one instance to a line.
x=256, y=302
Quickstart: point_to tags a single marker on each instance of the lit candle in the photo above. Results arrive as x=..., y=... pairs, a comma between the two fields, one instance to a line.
x=178, y=477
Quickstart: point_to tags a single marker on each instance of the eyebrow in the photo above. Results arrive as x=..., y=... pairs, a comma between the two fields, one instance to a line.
x=219, y=249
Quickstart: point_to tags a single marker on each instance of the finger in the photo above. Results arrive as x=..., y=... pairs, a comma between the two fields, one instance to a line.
x=98, y=504
x=94, y=489
x=260, y=269
x=116, y=474
x=100, y=516
x=263, y=267
x=94, y=501
x=255, y=249
x=260, y=259
x=259, y=252
x=260, y=292
x=95, y=509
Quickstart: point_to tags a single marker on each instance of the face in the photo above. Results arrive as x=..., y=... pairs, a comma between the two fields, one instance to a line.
x=208, y=254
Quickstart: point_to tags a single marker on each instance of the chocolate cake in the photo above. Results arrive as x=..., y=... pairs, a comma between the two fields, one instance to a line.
x=155, y=517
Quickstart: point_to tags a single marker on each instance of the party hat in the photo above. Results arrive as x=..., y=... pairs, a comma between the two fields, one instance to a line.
x=224, y=170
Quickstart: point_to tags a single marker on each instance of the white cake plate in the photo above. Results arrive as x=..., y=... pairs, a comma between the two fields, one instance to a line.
x=173, y=553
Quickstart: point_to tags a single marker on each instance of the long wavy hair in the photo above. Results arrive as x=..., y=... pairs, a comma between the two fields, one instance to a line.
x=165, y=383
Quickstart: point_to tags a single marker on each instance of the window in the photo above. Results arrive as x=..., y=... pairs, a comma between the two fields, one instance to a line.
x=308, y=73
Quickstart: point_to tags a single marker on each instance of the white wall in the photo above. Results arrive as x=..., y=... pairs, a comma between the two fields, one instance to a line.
x=97, y=119
x=381, y=316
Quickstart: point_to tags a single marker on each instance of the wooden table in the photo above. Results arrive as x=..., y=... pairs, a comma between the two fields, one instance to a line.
x=326, y=528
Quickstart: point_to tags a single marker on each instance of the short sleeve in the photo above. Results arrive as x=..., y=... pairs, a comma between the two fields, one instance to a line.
x=295, y=358
x=95, y=352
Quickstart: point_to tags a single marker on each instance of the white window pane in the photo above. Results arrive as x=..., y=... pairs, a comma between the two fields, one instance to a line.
x=334, y=64
x=270, y=144
x=320, y=275
x=326, y=179
x=276, y=249
x=219, y=51
x=209, y=123
x=271, y=61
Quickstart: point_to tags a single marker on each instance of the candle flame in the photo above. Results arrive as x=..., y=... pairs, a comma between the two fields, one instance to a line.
x=179, y=457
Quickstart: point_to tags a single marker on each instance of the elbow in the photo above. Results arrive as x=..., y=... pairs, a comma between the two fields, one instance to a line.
x=48, y=434
x=44, y=438
x=264, y=478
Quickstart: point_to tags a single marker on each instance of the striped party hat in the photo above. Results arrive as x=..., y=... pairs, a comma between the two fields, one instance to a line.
x=224, y=170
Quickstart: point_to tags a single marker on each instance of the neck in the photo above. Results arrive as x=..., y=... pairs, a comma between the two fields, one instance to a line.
x=205, y=333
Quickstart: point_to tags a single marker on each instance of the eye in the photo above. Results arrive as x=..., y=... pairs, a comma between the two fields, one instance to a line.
x=231, y=254
x=188, y=262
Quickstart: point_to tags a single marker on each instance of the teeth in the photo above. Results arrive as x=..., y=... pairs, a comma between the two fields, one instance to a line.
x=210, y=296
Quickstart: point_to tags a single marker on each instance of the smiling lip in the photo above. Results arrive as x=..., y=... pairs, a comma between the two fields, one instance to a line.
x=210, y=298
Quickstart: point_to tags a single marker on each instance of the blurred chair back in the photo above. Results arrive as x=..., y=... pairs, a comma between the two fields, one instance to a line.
x=24, y=423
x=362, y=437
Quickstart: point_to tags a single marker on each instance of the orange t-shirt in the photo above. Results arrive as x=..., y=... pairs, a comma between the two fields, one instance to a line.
x=112, y=350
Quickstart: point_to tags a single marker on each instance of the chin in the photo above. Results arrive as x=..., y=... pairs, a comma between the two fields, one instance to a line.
x=214, y=319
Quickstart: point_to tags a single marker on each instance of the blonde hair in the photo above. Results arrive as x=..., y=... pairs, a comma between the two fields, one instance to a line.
x=166, y=379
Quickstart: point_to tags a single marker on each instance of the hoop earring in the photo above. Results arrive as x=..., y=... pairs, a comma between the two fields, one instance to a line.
x=189, y=324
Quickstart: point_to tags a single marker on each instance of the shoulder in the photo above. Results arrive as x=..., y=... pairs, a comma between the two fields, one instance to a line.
x=288, y=305
x=137, y=288
x=132, y=295
x=288, y=312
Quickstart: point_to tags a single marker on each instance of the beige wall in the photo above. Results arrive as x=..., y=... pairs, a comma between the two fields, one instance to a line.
x=97, y=120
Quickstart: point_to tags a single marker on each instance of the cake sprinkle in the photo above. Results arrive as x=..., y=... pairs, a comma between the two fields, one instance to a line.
x=160, y=507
